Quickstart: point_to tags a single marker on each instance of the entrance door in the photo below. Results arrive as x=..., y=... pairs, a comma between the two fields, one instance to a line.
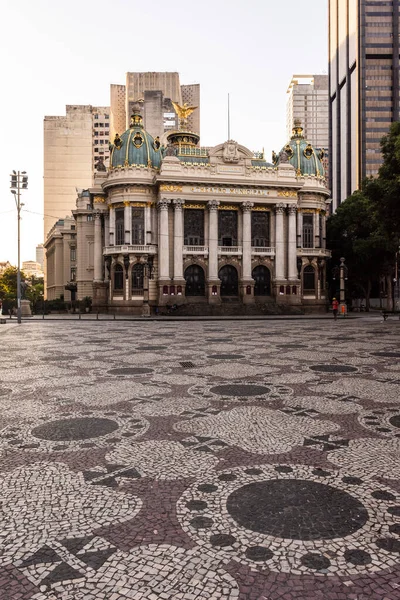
x=195, y=281
x=229, y=281
x=262, y=278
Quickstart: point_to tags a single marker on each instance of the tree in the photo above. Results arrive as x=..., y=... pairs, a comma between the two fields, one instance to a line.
x=8, y=283
x=356, y=233
x=384, y=190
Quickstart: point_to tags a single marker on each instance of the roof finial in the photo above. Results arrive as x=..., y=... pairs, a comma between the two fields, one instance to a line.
x=297, y=131
x=136, y=117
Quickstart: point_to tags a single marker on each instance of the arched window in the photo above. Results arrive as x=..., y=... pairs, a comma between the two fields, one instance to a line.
x=195, y=281
x=309, y=280
x=137, y=280
x=229, y=281
x=118, y=278
x=262, y=278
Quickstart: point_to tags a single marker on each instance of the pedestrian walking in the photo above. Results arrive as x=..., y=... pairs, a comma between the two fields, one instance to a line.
x=335, y=308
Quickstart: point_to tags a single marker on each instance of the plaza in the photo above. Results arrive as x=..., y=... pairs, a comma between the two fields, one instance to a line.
x=200, y=459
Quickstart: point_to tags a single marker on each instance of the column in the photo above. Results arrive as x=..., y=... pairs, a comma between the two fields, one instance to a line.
x=299, y=229
x=106, y=229
x=323, y=241
x=316, y=229
x=178, y=239
x=213, y=239
x=127, y=222
x=279, y=241
x=98, y=259
x=292, y=250
x=147, y=225
x=112, y=226
x=246, y=240
x=163, y=240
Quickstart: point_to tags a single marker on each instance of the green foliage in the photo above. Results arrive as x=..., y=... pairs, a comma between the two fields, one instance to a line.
x=384, y=191
x=366, y=227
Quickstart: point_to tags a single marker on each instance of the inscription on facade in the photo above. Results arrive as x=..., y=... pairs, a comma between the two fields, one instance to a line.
x=229, y=191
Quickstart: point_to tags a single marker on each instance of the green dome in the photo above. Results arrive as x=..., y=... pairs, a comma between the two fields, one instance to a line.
x=302, y=155
x=135, y=147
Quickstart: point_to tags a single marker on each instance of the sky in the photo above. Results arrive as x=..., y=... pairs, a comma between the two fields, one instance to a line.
x=56, y=53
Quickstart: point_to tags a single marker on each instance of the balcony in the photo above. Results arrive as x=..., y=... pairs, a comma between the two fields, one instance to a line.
x=314, y=252
x=142, y=249
x=263, y=251
x=202, y=250
x=230, y=250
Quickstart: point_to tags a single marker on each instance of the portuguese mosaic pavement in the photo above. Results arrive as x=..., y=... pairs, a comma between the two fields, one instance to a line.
x=248, y=460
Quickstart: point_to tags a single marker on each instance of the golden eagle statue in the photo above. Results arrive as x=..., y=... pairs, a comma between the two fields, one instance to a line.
x=183, y=113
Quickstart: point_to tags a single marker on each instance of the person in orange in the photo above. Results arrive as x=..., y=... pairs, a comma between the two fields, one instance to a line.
x=335, y=308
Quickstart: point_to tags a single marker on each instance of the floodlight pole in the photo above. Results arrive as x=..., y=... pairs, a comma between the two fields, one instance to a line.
x=16, y=179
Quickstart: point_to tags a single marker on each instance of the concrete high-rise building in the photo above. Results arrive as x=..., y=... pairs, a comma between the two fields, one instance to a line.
x=363, y=88
x=155, y=92
x=307, y=100
x=73, y=145
x=40, y=255
x=117, y=109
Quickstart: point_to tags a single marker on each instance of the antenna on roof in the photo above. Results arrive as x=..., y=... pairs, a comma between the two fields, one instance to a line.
x=229, y=121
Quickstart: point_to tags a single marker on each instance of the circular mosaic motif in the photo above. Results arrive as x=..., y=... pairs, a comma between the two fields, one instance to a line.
x=395, y=421
x=74, y=431
x=240, y=390
x=274, y=506
x=387, y=354
x=82, y=428
x=333, y=368
x=294, y=517
x=382, y=421
x=226, y=356
x=130, y=371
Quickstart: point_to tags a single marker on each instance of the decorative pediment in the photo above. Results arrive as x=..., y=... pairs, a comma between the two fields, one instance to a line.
x=230, y=152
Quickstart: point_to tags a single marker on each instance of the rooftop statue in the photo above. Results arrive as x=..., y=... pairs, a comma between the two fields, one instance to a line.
x=183, y=112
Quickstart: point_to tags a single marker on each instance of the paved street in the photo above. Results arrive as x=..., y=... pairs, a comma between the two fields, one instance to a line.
x=248, y=460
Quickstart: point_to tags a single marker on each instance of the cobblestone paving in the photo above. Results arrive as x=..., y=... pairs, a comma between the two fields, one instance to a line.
x=246, y=460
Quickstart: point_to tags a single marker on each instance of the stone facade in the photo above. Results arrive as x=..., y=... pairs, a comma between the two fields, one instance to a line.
x=208, y=228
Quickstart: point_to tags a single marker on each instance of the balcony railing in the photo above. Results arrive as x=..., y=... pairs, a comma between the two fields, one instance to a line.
x=230, y=250
x=141, y=249
x=313, y=252
x=195, y=249
x=260, y=250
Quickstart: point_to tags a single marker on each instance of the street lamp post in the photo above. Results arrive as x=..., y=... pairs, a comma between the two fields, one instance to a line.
x=341, y=271
x=147, y=275
x=19, y=181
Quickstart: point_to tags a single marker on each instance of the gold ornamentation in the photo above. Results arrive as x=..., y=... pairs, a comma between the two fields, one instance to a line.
x=183, y=113
x=289, y=151
x=231, y=191
x=192, y=205
x=287, y=194
x=127, y=203
x=170, y=188
x=261, y=208
x=100, y=199
x=308, y=151
x=138, y=140
x=228, y=207
x=117, y=142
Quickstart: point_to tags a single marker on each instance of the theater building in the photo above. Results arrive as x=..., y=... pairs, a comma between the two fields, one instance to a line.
x=200, y=228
